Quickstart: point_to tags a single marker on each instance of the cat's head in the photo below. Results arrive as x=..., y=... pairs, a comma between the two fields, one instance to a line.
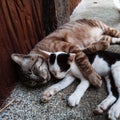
x=34, y=69
x=60, y=63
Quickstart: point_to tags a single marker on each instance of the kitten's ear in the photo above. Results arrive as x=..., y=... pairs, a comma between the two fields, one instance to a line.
x=72, y=57
x=46, y=54
x=19, y=58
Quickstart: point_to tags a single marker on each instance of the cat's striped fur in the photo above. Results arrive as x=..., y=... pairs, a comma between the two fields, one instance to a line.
x=75, y=37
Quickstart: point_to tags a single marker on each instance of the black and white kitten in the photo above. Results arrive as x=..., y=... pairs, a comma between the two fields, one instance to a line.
x=62, y=65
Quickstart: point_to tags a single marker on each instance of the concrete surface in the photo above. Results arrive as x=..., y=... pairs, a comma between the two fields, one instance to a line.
x=27, y=106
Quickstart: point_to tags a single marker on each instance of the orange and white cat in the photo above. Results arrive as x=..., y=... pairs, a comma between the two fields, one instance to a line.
x=73, y=37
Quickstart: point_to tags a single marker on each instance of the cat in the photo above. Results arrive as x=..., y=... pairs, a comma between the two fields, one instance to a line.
x=77, y=36
x=62, y=65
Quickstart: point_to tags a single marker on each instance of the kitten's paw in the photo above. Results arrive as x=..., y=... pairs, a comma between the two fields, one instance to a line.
x=104, y=104
x=47, y=94
x=103, y=45
x=73, y=100
x=95, y=79
x=114, y=112
x=100, y=109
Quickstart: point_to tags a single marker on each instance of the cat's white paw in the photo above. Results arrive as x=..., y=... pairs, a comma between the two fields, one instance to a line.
x=45, y=97
x=73, y=100
x=47, y=94
x=114, y=112
x=104, y=104
x=100, y=108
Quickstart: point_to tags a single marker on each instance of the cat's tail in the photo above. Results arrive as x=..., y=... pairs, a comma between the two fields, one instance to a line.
x=117, y=4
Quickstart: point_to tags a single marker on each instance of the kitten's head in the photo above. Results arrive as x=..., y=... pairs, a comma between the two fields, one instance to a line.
x=34, y=69
x=60, y=63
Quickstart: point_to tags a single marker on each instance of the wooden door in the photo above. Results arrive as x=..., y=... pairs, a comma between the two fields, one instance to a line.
x=20, y=29
x=22, y=24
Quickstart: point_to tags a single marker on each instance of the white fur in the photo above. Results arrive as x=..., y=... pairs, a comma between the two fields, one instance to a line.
x=96, y=33
x=114, y=111
x=97, y=65
x=76, y=96
x=55, y=69
x=49, y=92
x=104, y=70
x=115, y=40
x=117, y=4
x=116, y=73
x=108, y=101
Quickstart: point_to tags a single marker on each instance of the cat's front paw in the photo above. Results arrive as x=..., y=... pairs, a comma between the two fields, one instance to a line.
x=73, y=100
x=114, y=112
x=47, y=94
x=95, y=79
x=103, y=45
x=105, y=104
x=100, y=109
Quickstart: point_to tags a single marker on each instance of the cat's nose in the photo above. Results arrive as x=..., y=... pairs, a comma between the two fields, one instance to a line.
x=58, y=77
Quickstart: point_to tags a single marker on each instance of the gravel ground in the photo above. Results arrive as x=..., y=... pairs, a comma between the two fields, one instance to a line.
x=27, y=106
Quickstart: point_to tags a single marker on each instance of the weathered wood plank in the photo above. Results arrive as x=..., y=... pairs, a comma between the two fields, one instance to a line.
x=72, y=5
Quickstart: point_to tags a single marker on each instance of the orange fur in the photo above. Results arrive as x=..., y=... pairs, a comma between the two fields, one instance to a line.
x=76, y=37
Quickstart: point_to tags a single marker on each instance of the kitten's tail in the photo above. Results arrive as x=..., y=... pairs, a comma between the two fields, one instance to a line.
x=117, y=4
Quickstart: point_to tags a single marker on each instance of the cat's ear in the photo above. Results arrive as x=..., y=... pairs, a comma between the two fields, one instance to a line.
x=20, y=58
x=46, y=54
x=71, y=57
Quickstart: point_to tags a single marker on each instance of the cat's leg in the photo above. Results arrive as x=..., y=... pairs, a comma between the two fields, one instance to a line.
x=52, y=90
x=114, y=111
x=76, y=96
x=96, y=46
x=111, y=32
x=81, y=60
x=108, y=101
x=85, y=67
x=109, y=40
x=102, y=44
